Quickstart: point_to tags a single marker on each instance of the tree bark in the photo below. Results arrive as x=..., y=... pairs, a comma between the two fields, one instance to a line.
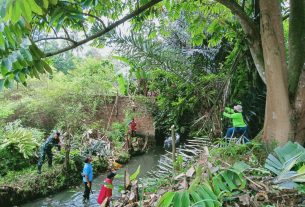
x=296, y=45
x=299, y=111
x=296, y=70
x=277, y=116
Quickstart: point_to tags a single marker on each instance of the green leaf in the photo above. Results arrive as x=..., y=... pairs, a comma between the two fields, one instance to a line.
x=241, y=166
x=21, y=77
x=185, y=199
x=4, y=70
x=196, y=198
x=8, y=11
x=16, y=12
x=47, y=67
x=216, y=185
x=228, y=180
x=45, y=4
x=26, y=10
x=54, y=2
x=208, y=189
x=177, y=199
x=135, y=174
x=166, y=199
x=1, y=83
x=205, y=196
x=35, y=8
x=2, y=42
x=9, y=36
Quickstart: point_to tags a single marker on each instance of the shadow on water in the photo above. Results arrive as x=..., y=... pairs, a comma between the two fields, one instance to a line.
x=74, y=196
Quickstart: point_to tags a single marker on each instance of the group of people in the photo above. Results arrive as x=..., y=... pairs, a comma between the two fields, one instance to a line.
x=235, y=114
x=106, y=188
x=87, y=174
x=53, y=140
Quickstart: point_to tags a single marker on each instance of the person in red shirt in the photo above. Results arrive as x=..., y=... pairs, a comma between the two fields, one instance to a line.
x=106, y=189
x=133, y=127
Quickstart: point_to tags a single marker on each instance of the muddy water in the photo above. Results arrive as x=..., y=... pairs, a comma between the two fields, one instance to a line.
x=73, y=197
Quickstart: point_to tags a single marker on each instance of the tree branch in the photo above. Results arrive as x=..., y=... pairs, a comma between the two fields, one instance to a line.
x=246, y=22
x=56, y=38
x=97, y=18
x=107, y=29
x=66, y=32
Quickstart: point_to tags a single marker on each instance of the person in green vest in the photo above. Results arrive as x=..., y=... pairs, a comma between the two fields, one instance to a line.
x=239, y=125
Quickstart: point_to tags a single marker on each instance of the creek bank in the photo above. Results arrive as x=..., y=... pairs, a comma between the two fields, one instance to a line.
x=19, y=187
x=73, y=195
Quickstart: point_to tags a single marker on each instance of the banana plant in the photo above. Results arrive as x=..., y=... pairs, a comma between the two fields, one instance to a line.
x=282, y=163
x=209, y=193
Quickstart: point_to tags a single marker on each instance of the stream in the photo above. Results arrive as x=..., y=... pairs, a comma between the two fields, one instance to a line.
x=74, y=196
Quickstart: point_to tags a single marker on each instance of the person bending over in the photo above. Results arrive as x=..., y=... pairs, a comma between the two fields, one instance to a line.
x=46, y=149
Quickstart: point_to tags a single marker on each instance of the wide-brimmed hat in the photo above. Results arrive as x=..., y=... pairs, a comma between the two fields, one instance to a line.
x=238, y=108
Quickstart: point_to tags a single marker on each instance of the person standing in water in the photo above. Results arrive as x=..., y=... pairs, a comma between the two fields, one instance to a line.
x=106, y=190
x=87, y=178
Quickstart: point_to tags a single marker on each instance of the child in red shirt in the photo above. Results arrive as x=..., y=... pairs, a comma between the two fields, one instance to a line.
x=133, y=127
x=106, y=189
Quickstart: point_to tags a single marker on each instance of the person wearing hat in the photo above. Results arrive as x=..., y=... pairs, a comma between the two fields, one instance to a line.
x=46, y=149
x=106, y=190
x=239, y=125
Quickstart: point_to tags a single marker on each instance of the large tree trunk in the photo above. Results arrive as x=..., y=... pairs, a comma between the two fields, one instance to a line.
x=296, y=67
x=296, y=44
x=299, y=111
x=277, y=116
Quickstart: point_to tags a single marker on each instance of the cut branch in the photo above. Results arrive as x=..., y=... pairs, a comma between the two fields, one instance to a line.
x=107, y=29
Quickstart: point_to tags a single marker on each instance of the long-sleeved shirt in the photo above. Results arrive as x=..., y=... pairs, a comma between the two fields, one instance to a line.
x=237, y=117
x=50, y=143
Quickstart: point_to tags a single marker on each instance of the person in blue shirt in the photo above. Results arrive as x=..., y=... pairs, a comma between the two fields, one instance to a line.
x=87, y=178
x=46, y=149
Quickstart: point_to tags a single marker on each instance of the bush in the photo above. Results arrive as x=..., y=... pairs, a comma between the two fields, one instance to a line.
x=117, y=132
x=17, y=146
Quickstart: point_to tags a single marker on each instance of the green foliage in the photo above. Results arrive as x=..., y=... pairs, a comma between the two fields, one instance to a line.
x=122, y=84
x=134, y=175
x=178, y=163
x=288, y=163
x=23, y=24
x=74, y=98
x=17, y=146
x=18, y=138
x=208, y=193
x=117, y=132
x=124, y=157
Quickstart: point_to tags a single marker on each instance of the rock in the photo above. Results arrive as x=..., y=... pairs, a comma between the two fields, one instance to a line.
x=190, y=172
x=244, y=199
